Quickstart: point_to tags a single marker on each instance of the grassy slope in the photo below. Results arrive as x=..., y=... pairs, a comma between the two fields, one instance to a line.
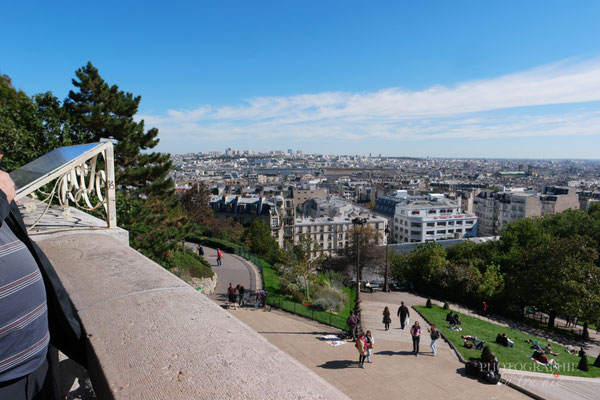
x=272, y=287
x=517, y=357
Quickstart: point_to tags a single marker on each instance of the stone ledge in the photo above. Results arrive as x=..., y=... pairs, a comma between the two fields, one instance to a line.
x=153, y=336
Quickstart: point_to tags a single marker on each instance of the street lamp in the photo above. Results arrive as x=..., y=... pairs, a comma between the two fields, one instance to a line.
x=386, y=284
x=358, y=222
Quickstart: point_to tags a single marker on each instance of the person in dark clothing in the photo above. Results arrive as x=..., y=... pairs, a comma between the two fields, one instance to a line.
x=415, y=333
x=242, y=293
x=387, y=319
x=36, y=316
x=352, y=323
x=403, y=314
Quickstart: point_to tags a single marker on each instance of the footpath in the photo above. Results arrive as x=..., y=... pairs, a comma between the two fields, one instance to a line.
x=394, y=373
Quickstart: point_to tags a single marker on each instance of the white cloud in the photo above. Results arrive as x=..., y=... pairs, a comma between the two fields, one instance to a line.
x=489, y=108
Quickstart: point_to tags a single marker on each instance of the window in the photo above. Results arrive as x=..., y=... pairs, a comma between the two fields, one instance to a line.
x=450, y=230
x=415, y=233
x=469, y=222
x=443, y=223
x=442, y=232
x=432, y=212
x=431, y=232
x=458, y=222
x=450, y=222
x=431, y=224
x=415, y=224
x=415, y=212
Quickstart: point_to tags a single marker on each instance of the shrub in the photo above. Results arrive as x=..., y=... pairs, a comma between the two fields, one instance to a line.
x=189, y=265
x=583, y=364
x=428, y=304
x=446, y=306
x=597, y=362
x=329, y=299
x=485, y=353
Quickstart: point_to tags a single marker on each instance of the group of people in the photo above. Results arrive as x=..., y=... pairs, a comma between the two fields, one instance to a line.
x=364, y=344
x=454, y=321
x=503, y=340
x=237, y=295
x=402, y=313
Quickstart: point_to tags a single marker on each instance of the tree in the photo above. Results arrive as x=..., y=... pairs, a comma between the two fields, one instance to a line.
x=19, y=126
x=368, y=251
x=260, y=241
x=98, y=111
x=555, y=277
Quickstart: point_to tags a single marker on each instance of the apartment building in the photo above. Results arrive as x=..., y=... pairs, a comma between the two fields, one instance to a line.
x=331, y=233
x=431, y=218
x=245, y=209
x=497, y=209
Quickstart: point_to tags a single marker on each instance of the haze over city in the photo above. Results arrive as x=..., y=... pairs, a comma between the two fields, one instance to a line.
x=467, y=79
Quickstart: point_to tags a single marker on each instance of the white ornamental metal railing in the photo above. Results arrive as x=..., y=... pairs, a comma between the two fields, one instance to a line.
x=78, y=182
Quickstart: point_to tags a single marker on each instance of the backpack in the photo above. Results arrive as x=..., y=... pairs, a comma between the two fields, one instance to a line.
x=492, y=377
x=472, y=368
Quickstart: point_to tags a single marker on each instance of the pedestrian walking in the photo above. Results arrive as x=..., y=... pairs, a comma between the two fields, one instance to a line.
x=403, y=314
x=387, y=319
x=200, y=251
x=361, y=346
x=370, y=343
x=434, y=333
x=352, y=323
x=242, y=294
x=415, y=332
x=219, y=256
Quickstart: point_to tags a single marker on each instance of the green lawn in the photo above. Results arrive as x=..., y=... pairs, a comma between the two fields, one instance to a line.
x=517, y=357
x=275, y=299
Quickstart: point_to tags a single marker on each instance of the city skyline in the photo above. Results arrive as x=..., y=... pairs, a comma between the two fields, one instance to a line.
x=444, y=80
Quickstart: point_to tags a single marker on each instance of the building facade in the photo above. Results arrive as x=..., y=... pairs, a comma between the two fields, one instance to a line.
x=431, y=218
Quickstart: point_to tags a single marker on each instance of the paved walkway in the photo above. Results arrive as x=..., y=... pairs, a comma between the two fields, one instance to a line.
x=395, y=371
x=543, y=385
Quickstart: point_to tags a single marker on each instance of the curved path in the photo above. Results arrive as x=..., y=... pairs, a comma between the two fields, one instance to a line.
x=395, y=371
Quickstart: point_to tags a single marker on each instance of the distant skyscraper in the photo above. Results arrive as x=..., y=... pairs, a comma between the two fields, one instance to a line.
x=290, y=152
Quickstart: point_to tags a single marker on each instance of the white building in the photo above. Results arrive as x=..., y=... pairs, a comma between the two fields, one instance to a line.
x=331, y=233
x=431, y=218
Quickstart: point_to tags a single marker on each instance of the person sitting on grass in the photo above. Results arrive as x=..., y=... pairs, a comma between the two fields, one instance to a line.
x=548, y=350
x=476, y=342
x=469, y=345
x=540, y=357
x=449, y=316
x=504, y=340
x=454, y=322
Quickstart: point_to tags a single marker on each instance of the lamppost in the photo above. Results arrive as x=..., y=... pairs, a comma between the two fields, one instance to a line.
x=358, y=222
x=386, y=284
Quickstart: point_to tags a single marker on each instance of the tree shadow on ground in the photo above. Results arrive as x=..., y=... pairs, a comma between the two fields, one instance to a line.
x=339, y=364
x=395, y=353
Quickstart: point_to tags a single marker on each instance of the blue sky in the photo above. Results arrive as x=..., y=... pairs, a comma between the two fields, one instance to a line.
x=437, y=78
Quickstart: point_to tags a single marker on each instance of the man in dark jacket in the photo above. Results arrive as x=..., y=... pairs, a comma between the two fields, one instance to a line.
x=403, y=314
x=35, y=311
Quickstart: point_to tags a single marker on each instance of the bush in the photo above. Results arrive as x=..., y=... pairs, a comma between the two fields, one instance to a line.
x=329, y=299
x=189, y=265
x=583, y=364
x=597, y=362
x=446, y=306
x=428, y=304
x=486, y=352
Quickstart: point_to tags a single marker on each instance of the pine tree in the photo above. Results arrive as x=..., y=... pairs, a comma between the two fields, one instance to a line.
x=99, y=111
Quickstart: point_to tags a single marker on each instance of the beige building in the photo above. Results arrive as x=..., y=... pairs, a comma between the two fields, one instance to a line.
x=331, y=233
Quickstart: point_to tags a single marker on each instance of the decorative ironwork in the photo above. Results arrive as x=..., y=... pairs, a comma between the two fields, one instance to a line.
x=78, y=182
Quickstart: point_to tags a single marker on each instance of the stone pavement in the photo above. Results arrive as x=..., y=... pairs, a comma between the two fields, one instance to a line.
x=540, y=384
x=394, y=373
